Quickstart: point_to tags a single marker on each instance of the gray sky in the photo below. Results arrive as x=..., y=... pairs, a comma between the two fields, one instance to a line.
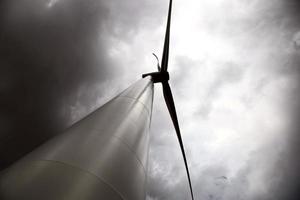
x=234, y=74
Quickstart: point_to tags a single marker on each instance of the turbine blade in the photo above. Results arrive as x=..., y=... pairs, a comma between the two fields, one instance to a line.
x=165, y=55
x=171, y=107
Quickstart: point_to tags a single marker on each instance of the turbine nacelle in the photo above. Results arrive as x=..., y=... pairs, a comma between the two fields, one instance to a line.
x=158, y=77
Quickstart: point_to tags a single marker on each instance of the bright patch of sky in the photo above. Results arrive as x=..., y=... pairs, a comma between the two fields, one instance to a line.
x=231, y=98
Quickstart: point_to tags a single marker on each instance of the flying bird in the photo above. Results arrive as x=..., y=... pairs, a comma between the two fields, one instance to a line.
x=222, y=177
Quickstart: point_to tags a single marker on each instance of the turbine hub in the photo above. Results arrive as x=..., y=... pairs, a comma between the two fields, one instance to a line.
x=158, y=77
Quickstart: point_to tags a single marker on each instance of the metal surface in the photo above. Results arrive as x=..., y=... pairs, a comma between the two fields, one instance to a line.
x=104, y=156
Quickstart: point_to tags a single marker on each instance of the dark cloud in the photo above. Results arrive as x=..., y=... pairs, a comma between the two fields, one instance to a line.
x=127, y=17
x=54, y=59
x=284, y=175
x=46, y=54
x=55, y=63
x=279, y=161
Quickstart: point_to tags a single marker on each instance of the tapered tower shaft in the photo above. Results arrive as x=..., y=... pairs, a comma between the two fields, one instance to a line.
x=104, y=156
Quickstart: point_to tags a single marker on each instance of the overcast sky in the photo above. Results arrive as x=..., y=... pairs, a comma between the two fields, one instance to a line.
x=234, y=68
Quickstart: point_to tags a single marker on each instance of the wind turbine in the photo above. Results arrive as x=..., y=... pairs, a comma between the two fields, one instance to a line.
x=103, y=156
x=162, y=76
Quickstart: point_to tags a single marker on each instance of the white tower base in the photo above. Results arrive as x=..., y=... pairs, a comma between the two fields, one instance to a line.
x=104, y=156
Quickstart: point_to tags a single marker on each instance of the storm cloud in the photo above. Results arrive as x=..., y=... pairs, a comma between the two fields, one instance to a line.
x=56, y=66
x=234, y=68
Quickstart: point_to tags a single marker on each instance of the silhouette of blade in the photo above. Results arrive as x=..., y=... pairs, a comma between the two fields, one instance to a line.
x=171, y=107
x=165, y=56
